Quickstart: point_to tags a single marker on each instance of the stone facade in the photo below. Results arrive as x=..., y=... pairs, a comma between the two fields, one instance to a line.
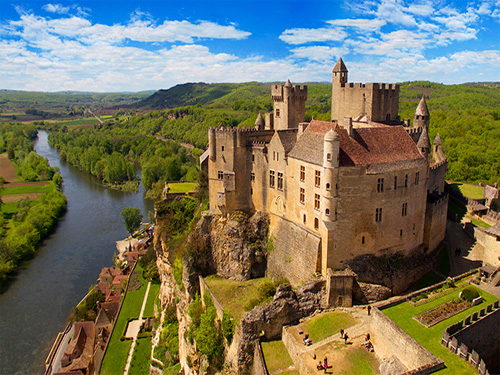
x=336, y=190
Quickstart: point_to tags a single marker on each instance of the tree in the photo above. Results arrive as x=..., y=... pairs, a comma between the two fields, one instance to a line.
x=132, y=218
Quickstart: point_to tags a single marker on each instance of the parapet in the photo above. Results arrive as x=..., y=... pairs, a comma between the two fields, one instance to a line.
x=438, y=165
x=372, y=86
x=298, y=91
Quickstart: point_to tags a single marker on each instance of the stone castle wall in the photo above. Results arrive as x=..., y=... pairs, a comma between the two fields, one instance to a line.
x=414, y=356
x=435, y=221
x=437, y=175
x=295, y=252
x=491, y=247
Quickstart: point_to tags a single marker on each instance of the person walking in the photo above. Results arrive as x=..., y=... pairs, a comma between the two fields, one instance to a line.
x=345, y=338
x=342, y=333
x=369, y=308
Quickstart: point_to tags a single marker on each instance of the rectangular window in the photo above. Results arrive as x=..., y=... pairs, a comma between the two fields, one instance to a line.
x=406, y=181
x=363, y=240
x=401, y=233
x=316, y=201
x=380, y=185
x=222, y=148
x=317, y=178
x=280, y=180
x=253, y=158
x=277, y=113
x=271, y=178
x=302, y=197
x=404, y=209
x=302, y=173
x=395, y=182
x=316, y=223
x=252, y=176
x=417, y=178
x=220, y=175
x=378, y=215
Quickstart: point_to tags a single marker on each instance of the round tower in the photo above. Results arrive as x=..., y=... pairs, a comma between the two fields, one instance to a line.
x=331, y=150
x=211, y=143
x=259, y=123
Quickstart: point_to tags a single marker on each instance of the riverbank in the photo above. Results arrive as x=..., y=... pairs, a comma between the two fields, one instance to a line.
x=35, y=306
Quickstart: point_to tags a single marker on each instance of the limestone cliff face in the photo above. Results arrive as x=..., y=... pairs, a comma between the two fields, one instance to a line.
x=233, y=247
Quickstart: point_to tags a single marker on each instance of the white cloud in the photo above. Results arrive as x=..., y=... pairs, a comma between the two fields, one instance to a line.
x=301, y=36
x=360, y=23
x=56, y=8
x=319, y=53
x=396, y=43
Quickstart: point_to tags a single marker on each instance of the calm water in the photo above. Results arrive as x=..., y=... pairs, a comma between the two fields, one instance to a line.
x=36, y=304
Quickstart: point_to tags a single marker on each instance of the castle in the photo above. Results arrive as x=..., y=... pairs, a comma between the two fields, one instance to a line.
x=362, y=183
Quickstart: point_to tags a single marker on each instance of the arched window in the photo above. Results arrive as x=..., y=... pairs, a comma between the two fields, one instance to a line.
x=327, y=186
x=327, y=212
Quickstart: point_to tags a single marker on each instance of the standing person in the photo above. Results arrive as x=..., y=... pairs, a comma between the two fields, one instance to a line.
x=325, y=364
x=342, y=333
x=345, y=338
x=369, y=309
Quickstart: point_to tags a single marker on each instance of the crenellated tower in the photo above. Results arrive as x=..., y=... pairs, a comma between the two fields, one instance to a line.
x=289, y=105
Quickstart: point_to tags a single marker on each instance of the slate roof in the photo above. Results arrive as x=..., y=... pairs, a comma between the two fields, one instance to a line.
x=339, y=66
x=369, y=146
x=288, y=139
x=423, y=141
x=422, y=109
x=437, y=140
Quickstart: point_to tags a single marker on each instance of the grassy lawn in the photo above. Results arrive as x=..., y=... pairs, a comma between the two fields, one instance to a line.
x=141, y=358
x=468, y=190
x=361, y=362
x=117, y=352
x=430, y=338
x=325, y=325
x=430, y=278
x=479, y=223
x=149, y=311
x=275, y=355
x=182, y=187
x=26, y=189
x=235, y=295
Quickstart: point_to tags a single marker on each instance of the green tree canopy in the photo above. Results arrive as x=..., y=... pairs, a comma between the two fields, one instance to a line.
x=132, y=218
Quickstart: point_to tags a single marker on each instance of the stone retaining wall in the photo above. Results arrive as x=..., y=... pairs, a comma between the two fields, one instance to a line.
x=218, y=306
x=293, y=351
x=259, y=365
x=413, y=355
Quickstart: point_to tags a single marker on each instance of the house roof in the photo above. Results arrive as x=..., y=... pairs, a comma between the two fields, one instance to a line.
x=368, y=146
x=288, y=138
x=494, y=230
x=84, y=337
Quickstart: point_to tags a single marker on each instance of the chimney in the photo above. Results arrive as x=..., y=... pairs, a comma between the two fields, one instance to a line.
x=348, y=126
x=302, y=128
x=406, y=122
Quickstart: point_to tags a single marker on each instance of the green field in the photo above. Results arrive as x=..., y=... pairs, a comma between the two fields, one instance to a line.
x=154, y=290
x=182, y=187
x=276, y=357
x=141, y=358
x=402, y=314
x=80, y=122
x=26, y=189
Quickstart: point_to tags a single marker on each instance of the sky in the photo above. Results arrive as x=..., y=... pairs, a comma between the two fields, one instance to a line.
x=123, y=45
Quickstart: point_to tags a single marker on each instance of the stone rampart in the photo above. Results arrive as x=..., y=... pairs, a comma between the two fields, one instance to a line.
x=295, y=253
x=413, y=355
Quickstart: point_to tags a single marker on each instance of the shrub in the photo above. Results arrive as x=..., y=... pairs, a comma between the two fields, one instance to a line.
x=228, y=327
x=469, y=293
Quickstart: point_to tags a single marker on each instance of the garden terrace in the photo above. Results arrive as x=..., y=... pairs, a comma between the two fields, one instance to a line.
x=430, y=338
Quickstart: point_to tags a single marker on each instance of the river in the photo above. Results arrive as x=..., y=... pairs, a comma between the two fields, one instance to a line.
x=37, y=303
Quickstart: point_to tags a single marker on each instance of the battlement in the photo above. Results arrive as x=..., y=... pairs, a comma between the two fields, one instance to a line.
x=412, y=131
x=438, y=165
x=298, y=91
x=437, y=200
x=229, y=131
x=372, y=86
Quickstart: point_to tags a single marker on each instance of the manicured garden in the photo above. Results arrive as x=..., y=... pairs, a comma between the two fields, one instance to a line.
x=277, y=358
x=117, y=352
x=141, y=358
x=326, y=325
x=403, y=313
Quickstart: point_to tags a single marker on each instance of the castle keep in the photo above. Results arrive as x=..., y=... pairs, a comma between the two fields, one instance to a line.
x=363, y=183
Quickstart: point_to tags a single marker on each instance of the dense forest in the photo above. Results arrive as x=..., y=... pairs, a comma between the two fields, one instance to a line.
x=33, y=220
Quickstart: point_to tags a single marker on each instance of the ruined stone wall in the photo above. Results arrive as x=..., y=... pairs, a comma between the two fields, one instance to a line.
x=491, y=246
x=295, y=252
x=413, y=355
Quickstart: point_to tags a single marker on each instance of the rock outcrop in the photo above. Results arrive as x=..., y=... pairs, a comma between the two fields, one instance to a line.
x=286, y=308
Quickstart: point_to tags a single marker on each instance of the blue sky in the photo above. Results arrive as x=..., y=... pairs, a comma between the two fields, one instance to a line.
x=121, y=45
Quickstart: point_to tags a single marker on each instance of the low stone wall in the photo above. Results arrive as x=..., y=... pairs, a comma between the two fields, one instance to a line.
x=293, y=351
x=259, y=365
x=413, y=355
x=476, y=338
x=204, y=288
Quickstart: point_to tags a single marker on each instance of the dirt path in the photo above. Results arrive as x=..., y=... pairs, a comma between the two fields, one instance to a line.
x=7, y=171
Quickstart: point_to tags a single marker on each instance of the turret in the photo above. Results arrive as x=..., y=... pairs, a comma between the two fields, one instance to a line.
x=339, y=72
x=289, y=105
x=424, y=146
x=331, y=150
x=437, y=151
x=422, y=116
x=259, y=122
